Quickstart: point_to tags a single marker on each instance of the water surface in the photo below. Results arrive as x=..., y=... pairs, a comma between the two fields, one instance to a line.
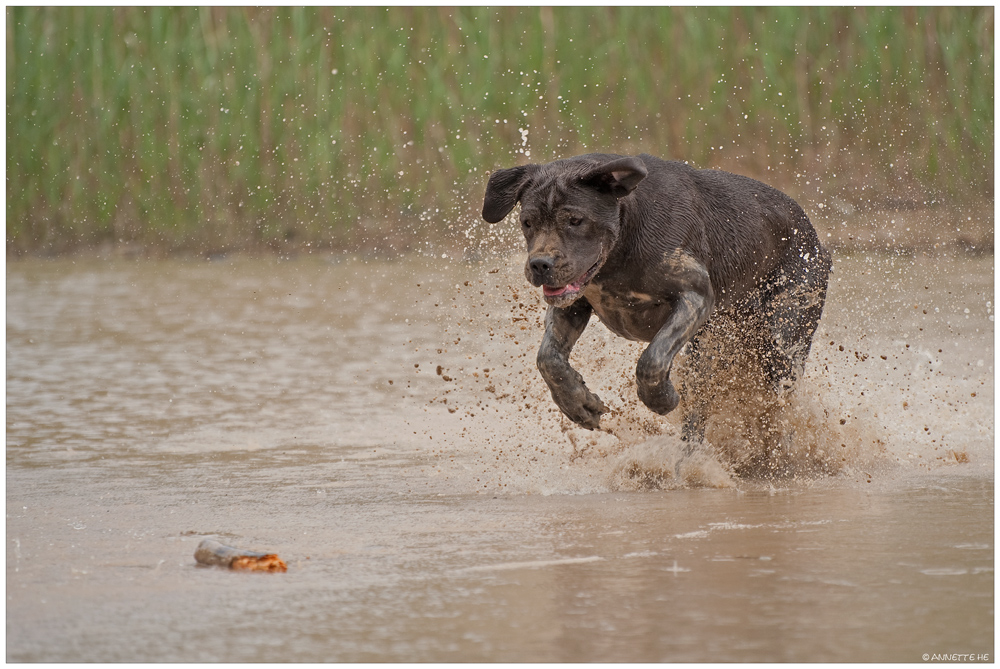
x=381, y=426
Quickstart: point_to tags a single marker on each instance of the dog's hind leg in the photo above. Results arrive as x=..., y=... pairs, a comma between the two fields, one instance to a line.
x=695, y=401
x=790, y=308
x=699, y=362
x=792, y=305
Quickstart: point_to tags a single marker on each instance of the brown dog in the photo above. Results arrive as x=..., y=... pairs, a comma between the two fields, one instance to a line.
x=655, y=248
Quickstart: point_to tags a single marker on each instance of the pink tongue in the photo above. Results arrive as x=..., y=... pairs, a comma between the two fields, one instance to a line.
x=548, y=291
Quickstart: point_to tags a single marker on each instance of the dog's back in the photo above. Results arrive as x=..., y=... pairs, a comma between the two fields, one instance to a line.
x=739, y=228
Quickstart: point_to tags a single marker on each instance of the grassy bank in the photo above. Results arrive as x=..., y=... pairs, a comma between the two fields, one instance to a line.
x=203, y=129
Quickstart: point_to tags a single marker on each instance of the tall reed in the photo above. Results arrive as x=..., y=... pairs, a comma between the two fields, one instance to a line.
x=202, y=128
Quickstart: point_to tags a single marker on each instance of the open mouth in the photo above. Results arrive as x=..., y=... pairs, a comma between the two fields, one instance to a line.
x=560, y=294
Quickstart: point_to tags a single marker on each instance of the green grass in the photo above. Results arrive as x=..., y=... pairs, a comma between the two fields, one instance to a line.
x=197, y=129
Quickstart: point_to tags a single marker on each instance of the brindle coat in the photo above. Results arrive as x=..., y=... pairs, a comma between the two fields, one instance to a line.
x=654, y=247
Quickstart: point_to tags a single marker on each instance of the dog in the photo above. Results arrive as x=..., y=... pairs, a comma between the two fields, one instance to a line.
x=656, y=248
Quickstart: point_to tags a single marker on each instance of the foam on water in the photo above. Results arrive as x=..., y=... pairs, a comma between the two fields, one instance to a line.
x=869, y=404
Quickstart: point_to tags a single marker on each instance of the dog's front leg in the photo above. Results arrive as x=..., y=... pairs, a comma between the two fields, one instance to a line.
x=563, y=327
x=652, y=373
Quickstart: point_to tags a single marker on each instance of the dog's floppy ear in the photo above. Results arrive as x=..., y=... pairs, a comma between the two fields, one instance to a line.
x=619, y=176
x=504, y=190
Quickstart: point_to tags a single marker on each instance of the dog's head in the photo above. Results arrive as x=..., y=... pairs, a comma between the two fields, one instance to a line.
x=569, y=216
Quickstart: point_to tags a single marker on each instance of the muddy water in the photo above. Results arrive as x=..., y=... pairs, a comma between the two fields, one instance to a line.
x=381, y=427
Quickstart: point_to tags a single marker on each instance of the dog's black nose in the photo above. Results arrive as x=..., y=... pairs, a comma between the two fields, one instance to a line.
x=540, y=267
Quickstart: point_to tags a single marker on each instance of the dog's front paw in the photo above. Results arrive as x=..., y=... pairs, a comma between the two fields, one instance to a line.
x=581, y=406
x=661, y=397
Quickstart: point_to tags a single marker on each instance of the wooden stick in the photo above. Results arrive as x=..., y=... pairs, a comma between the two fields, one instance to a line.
x=212, y=553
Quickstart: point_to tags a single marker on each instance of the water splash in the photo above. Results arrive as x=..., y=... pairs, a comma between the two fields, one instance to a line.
x=845, y=418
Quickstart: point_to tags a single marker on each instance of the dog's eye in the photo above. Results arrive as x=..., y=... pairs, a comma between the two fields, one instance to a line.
x=525, y=224
x=575, y=221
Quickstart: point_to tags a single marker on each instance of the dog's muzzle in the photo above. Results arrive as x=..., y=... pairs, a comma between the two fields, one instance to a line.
x=560, y=293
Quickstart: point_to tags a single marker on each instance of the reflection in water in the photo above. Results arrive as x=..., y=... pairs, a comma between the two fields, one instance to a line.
x=382, y=427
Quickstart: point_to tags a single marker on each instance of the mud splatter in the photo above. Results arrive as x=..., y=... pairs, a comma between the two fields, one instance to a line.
x=869, y=402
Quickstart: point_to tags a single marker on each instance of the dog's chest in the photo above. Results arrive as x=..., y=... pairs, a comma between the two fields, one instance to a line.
x=628, y=313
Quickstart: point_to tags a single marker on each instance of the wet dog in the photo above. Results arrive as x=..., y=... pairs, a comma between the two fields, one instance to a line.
x=655, y=248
